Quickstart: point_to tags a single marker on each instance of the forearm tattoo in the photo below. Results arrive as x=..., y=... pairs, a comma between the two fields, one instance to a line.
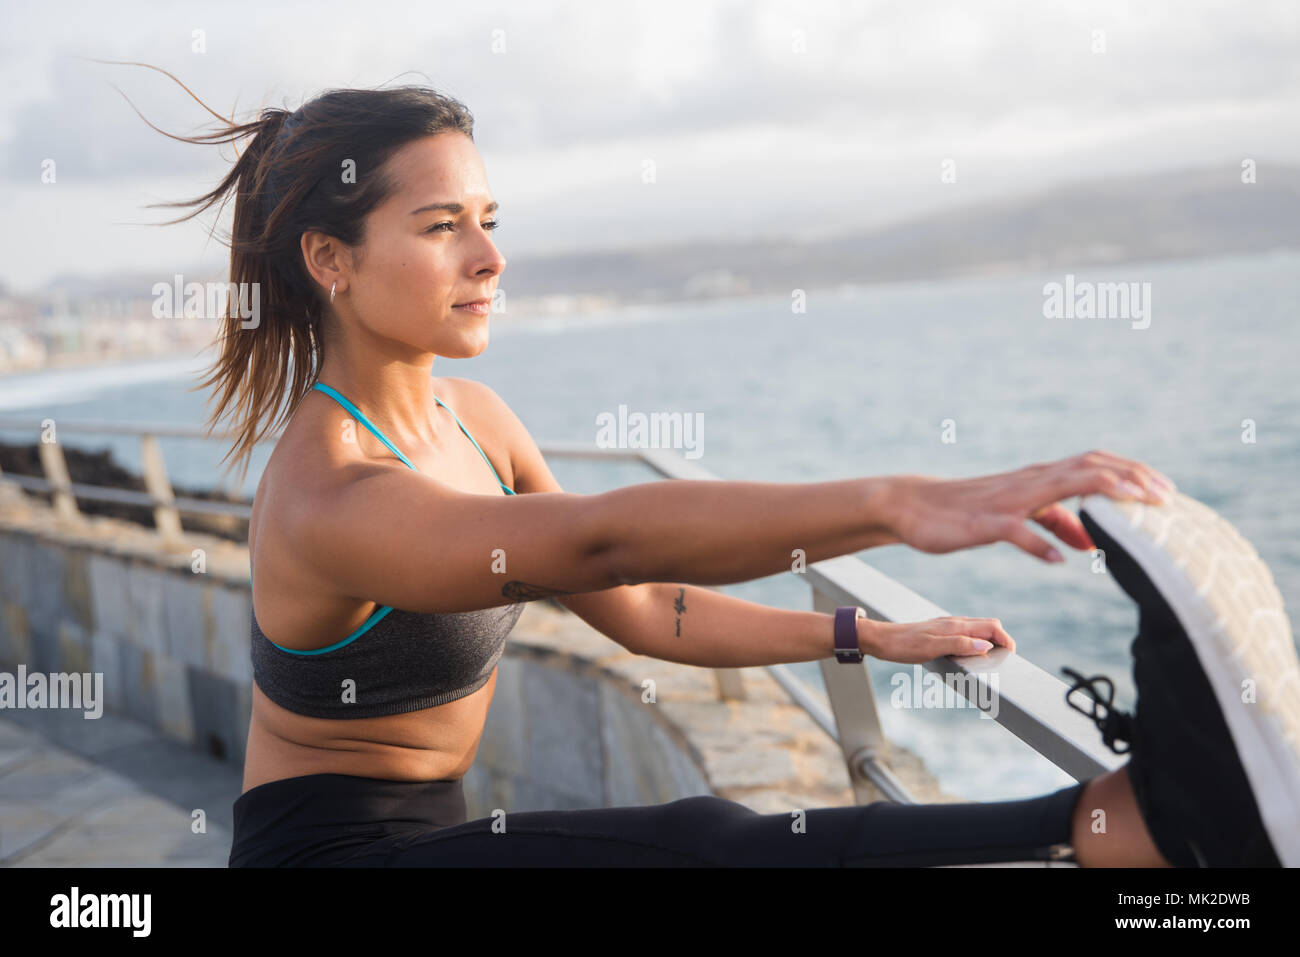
x=679, y=605
x=522, y=591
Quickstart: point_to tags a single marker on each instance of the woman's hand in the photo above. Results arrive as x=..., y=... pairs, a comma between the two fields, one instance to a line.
x=921, y=641
x=943, y=515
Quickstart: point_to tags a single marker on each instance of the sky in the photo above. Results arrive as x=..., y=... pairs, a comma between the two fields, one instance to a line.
x=772, y=120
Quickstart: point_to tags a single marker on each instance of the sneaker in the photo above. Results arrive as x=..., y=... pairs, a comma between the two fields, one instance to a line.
x=1215, y=740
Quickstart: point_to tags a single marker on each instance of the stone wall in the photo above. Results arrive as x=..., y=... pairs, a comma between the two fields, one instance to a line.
x=102, y=595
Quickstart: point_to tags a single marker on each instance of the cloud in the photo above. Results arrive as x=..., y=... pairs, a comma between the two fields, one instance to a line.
x=755, y=112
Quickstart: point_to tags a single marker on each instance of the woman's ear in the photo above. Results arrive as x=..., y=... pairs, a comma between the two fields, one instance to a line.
x=329, y=262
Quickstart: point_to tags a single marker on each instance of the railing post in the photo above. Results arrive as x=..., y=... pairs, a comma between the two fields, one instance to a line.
x=730, y=683
x=853, y=702
x=9, y=490
x=55, y=468
x=159, y=487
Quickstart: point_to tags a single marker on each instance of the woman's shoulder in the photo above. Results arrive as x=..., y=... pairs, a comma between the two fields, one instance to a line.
x=480, y=410
x=478, y=399
x=306, y=460
x=312, y=458
x=489, y=419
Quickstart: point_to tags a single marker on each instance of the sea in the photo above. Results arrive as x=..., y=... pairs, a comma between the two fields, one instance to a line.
x=950, y=378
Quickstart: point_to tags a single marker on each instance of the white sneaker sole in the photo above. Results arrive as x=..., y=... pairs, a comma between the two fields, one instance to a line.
x=1225, y=597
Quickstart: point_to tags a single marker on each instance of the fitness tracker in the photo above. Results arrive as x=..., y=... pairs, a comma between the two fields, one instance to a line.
x=847, y=651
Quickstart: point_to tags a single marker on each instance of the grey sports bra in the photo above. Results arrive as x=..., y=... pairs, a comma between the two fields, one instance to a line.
x=407, y=661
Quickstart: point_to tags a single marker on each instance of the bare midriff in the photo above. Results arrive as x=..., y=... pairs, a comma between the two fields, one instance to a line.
x=431, y=744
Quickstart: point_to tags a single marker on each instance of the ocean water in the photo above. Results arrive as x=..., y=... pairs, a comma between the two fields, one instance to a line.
x=864, y=383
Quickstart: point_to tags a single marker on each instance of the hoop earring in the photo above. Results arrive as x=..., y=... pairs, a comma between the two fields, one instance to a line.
x=332, y=290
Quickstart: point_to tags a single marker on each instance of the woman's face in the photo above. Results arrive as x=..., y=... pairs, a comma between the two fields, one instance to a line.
x=423, y=256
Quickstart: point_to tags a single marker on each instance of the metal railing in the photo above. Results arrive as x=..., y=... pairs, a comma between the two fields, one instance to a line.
x=1031, y=703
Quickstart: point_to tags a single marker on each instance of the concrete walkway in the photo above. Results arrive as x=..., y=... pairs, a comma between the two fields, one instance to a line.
x=108, y=792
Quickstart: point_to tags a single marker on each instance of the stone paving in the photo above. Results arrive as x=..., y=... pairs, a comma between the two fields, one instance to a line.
x=109, y=791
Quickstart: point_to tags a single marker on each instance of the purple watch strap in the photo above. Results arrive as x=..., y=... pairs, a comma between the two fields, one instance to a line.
x=846, y=634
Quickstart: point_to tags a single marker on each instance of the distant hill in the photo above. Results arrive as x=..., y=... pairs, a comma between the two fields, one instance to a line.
x=1169, y=215
x=1162, y=216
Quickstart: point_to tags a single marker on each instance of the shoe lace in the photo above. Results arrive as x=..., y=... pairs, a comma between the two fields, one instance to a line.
x=1113, y=723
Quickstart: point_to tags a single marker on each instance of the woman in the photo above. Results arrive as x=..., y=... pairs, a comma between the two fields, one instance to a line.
x=403, y=520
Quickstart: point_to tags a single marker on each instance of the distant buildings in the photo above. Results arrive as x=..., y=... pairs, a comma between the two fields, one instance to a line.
x=716, y=282
x=59, y=328
x=42, y=332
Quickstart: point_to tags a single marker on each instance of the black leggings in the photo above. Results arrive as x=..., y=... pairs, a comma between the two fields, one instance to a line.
x=339, y=820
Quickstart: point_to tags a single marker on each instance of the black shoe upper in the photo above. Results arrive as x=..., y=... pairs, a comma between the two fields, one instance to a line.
x=1190, y=785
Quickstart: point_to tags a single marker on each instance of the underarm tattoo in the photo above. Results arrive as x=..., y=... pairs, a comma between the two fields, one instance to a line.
x=679, y=605
x=522, y=591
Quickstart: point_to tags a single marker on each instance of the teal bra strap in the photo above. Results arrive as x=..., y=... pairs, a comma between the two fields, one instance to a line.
x=366, y=626
x=369, y=623
x=342, y=400
x=364, y=421
x=508, y=489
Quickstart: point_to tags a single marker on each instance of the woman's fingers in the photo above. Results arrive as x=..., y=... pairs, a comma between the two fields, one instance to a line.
x=973, y=636
x=995, y=632
x=1131, y=468
x=919, y=642
x=1094, y=480
x=1096, y=472
x=1013, y=530
x=1065, y=525
x=1140, y=474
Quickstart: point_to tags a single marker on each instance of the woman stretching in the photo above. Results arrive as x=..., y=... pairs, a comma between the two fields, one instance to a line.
x=403, y=521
